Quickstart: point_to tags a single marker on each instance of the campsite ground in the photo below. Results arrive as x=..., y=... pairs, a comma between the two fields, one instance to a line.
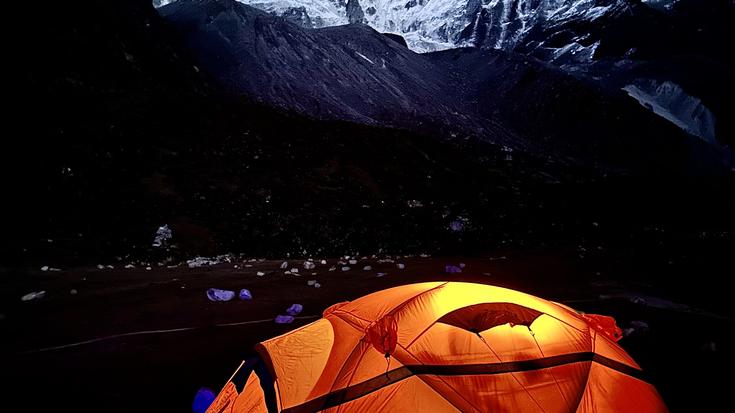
x=685, y=351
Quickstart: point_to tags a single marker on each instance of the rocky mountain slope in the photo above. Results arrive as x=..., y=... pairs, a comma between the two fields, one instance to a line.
x=672, y=53
x=354, y=73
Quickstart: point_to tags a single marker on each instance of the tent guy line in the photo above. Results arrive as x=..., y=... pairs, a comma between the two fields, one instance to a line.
x=148, y=332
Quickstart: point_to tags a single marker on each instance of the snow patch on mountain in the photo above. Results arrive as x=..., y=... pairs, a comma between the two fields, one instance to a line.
x=669, y=101
x=367, y=58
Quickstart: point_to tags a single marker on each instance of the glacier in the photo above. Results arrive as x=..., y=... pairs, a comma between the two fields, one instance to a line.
x=671, y=102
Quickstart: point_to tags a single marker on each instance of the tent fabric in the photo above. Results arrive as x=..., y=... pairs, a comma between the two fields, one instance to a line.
x=448, y=347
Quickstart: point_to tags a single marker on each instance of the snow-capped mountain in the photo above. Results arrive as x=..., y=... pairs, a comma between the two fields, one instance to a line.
x=628, y=42
x=430, y=25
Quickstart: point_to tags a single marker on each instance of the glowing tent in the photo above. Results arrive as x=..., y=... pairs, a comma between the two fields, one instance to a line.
x=444, y=347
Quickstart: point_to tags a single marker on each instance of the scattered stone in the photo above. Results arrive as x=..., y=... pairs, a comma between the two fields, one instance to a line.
x=148, y=268
x=636, y=328
x=73, y=291
x=215, y=294
x=323, y=262
x=207, y=261
x=458, y=225
x=452, y=269
x=367, y=268
x=260, y=273
x=308, y=265
x=381, y=274
x=45, y=268
x=401, y=266
x=245, y=295
x=311, y=282
x=284, y=319
x=295, y=309
x=414, y=203
x=130, y=266
x=284, y=265
x=345, y=268
x=352, y=262
x=36, y=295
x=163, y=235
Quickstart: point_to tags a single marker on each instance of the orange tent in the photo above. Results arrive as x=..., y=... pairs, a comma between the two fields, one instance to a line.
x=444, y=347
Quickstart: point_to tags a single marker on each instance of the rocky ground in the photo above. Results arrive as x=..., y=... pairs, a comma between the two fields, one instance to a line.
x=145, y=340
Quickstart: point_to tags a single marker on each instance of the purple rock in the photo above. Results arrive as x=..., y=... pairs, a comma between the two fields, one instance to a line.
x=284, y=319
x=245, y=294
x=452, y=269
x=295, y=309
x=215, y=294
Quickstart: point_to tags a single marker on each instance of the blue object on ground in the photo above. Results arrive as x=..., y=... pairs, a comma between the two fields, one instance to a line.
x=245, y=294
x=452, y=269
x=202, y=400
x=284, y=319
x=295, y=309
x=215, y=294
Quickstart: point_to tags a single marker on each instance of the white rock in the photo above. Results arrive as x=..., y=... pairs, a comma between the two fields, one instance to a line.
x=260, y=273
x=36, y=295
x=345, y=268
x=284, y=265
x=401, y=266
x=163, y=235
x=367, y=268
